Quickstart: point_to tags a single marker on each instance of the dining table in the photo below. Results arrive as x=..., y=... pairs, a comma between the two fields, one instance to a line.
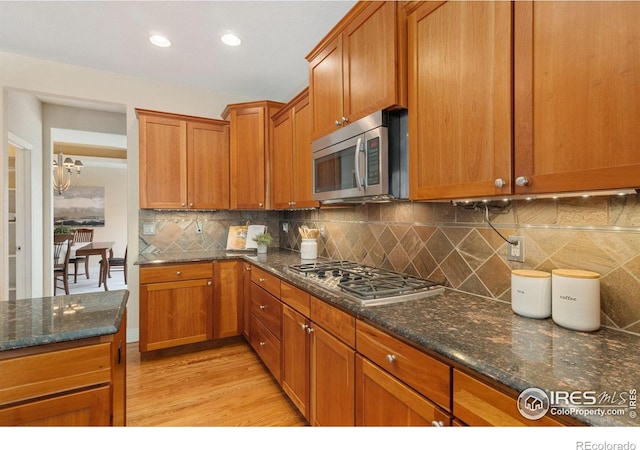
x=98, y=248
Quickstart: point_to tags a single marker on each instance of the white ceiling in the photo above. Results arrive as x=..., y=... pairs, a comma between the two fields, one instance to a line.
x=113, y=36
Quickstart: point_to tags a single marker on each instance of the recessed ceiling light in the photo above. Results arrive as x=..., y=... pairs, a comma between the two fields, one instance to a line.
x=231, y=39
x=160, y=40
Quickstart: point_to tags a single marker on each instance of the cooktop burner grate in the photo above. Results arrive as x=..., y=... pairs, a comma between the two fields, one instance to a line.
x=365, y=284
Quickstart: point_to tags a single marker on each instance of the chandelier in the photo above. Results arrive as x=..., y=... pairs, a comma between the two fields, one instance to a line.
x=65, y=173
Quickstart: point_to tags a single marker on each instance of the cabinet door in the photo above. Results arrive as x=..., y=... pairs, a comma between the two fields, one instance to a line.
x=302, y=164
x=460, y=99
x=246, y=299
x=175, y=313
x=373, y=68
x=382, y=400
x=295, y=358
x=86, y=408
x=163, y=162
x=325, y=88
x=208, y=157
x=248, y=158
x=332, y=380
x=281, y=162
x=577, y=75
x=227, y=299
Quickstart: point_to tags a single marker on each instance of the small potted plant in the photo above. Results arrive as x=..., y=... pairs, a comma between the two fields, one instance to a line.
x=263, y=240
x=62, y=229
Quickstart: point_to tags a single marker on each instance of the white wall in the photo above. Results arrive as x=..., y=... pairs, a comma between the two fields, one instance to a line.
x=34, y=75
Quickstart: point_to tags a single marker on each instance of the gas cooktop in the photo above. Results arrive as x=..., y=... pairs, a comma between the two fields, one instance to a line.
x=364, y=284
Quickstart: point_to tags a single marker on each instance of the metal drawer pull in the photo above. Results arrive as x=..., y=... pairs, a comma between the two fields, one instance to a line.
x=437, y=423
x=263, y=306
x=262, y=280
x=391, y=358
x=262, y=344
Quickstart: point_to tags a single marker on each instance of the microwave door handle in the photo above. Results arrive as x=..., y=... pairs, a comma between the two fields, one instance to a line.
x=357, y=163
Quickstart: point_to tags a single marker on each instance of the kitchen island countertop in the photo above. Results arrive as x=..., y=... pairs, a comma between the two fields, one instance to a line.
x=40, y=321
x=485, y=335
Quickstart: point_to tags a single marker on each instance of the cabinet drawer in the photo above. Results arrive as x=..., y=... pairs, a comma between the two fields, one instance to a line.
x=29, y=377
x=267, y=308
x=296, y=298
x=335, y=321
x=266, y=281
x=477, y=403
x=175, y=272
x=267, y=346
x=425, y=374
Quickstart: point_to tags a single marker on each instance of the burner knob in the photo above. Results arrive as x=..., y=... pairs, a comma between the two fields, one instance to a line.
x=322, y=274
x=335, y=272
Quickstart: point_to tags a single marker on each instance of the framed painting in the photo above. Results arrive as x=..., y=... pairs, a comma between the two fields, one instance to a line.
x=79, y=206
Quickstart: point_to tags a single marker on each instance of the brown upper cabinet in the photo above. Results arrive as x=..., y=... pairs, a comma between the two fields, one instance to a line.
x=184, y=161
x=291, y=158
x=250, y=143
x=359, y=67
x=523, y=98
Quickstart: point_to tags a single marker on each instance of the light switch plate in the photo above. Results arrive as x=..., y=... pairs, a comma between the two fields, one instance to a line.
x=149, y=229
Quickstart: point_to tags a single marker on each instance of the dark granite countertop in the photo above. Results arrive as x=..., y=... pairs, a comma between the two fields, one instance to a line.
x=47, y=320
x=486, y=336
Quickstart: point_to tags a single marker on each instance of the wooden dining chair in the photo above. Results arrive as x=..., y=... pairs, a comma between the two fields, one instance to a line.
x=81, y=235
x=115, y=263
x=61, y=253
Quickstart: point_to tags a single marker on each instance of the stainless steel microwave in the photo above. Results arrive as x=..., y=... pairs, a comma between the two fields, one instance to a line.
x=365, y=161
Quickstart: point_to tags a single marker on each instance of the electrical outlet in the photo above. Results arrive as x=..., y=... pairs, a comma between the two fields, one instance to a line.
x=516, y=252
x=149, y=229
x=285, y=227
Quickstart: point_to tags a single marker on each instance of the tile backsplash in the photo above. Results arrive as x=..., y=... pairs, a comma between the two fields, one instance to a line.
x=453, y=245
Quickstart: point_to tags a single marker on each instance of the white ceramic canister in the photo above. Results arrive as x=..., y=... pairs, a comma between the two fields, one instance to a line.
x=575, y=299
x=531, y=293
x=309, y=249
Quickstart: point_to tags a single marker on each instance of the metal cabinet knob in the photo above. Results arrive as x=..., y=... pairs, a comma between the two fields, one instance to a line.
x=309, y=330
x=522, y=181
x=208, y=283
x=260, y=204
x=248, y=268
x=304, y=326
x=190, y=205
x=263, y=306
x=183, y=205
x=499, y=183
x=262, y=280
x=178, y=273
x=338, y=123
x=262, y=343
x=391, y=358
x=344, y=119
x=437, y=423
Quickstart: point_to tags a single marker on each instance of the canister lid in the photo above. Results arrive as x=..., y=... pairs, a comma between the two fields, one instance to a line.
x=531, y=273
x=575, y=273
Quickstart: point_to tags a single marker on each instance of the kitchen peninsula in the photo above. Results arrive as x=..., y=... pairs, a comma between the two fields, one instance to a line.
x=483, y=344
x=62, y=360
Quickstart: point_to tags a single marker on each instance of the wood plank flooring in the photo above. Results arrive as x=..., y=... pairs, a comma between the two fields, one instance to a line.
x=223, y=386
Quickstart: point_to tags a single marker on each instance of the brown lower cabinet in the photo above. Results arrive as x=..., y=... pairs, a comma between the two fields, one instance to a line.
x=383, y=400
x=77, y=383
x=189, y=303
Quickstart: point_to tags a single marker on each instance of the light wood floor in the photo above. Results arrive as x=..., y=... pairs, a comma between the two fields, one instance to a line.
x=223, y=386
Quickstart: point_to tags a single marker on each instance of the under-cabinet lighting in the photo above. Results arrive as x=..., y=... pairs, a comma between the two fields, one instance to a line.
x=554, y=196
x=159, y=40
x=231, y=39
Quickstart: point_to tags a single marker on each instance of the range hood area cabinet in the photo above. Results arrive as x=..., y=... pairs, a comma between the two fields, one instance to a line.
x=184, y=161
x=291, y=158
x=251, y=134
x=558, y=114
x=360, y=66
